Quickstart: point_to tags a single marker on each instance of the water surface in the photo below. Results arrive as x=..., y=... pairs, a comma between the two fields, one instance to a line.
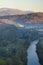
x=32, y=58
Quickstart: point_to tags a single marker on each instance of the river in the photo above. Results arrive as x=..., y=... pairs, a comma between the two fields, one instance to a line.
x=32, y=58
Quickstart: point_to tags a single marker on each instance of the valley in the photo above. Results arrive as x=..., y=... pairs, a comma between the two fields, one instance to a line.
x=16, y=34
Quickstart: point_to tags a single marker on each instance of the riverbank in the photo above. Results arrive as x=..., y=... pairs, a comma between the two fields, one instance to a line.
x=32, y=55
x=40, y=51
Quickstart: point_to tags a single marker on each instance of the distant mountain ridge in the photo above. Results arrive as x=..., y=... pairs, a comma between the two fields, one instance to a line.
x=21, y=19
x=9, y=11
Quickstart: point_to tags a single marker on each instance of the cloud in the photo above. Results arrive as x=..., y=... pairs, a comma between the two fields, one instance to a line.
x=20, y=25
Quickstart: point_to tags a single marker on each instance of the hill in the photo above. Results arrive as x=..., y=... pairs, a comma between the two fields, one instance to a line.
x=9, y=11
x=25, y=18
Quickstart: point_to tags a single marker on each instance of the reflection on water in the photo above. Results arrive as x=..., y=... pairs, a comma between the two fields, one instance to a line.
x=32, y=58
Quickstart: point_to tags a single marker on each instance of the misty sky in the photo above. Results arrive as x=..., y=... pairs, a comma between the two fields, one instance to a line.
x=32, y=5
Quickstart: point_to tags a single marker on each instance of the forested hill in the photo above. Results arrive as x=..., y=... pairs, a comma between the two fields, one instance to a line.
x=26, y=18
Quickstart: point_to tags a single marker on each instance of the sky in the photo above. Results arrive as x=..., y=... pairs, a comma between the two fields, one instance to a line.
x=25, y=5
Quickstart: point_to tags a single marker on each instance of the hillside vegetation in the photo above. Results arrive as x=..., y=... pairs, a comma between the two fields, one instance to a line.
x=13, y=47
